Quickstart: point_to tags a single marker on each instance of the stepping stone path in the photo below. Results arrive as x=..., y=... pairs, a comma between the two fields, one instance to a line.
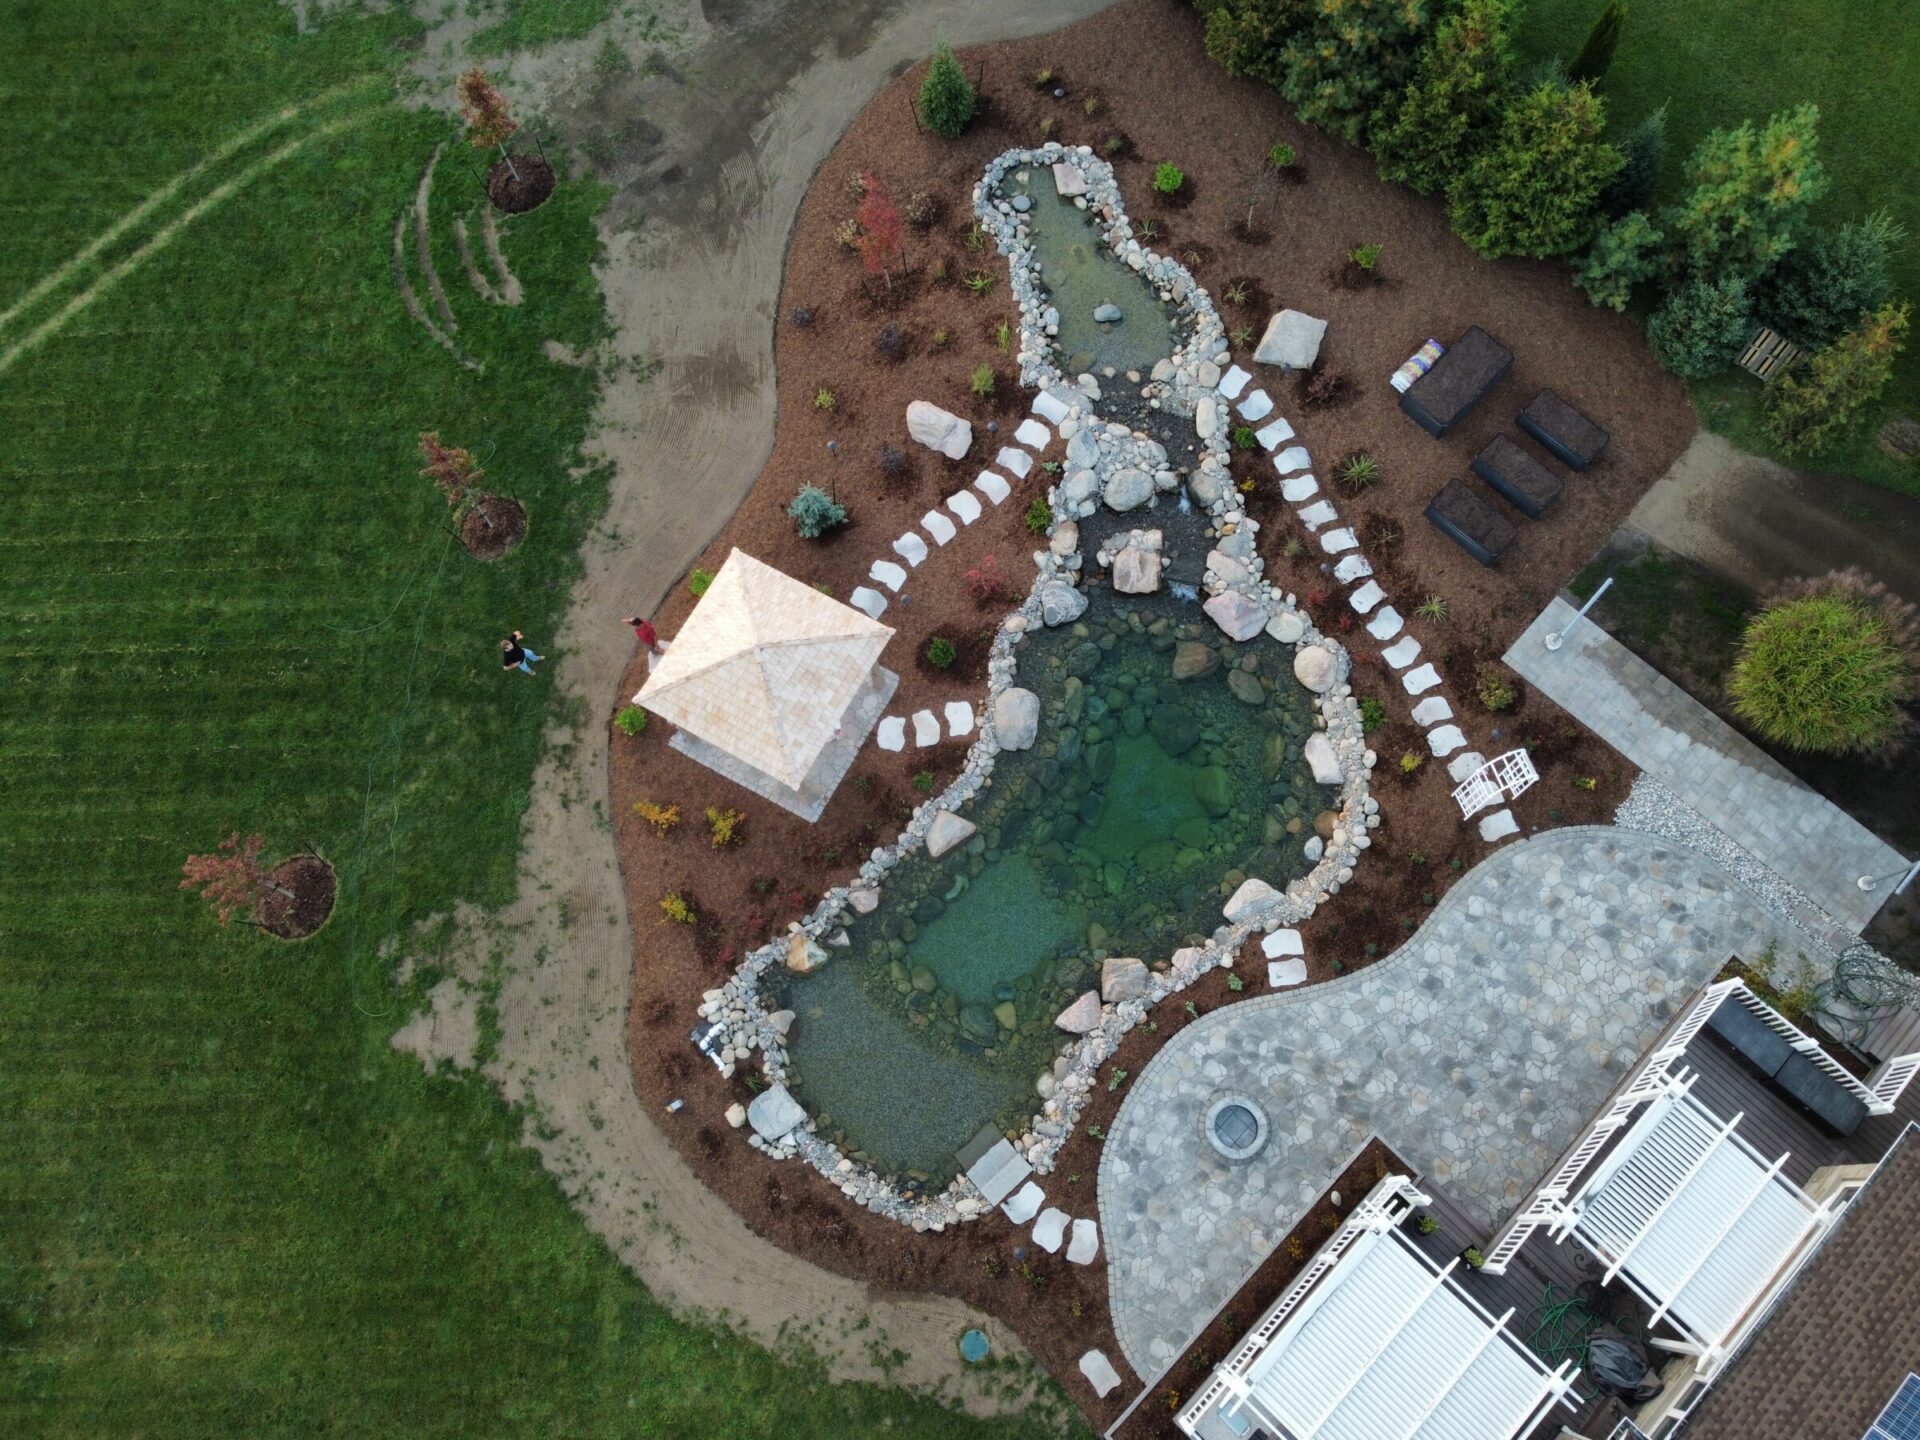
x=992, y=486
x=1024, y=1204
x=1386, y=624
x=910, y=548
x=1275, y=434
x=959, y=715
x=1049, y=408
x=926, y=729
x=938, y=526
x=1352, y=568
x=1314, y=516
x=1431, y=711
x=1366, y=597
x=1033, y=435
x=1050, y=1229
x=892, y=733
x=1334, y=541
x=1085, y=1243
x=1461, y=766
x=1402, y=653
x=965, y=506
x=1293, y=458
x=1282, y=942
x=1443, y=740
x=1256, y=406
x=870, y=601
x=1281, y=974
x=1018, y=461
x=1419, y=681
x=1298, y=488
x=1499, y=825
x=1099, y=1372
x=1233, y=382
x=888, y=574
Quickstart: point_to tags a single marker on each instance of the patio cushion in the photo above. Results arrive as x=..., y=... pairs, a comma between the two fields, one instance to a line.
x=1470, y=522
x=1564, y=430
x=1806, y=1082
x=1527, y=484
x=1746, y=1033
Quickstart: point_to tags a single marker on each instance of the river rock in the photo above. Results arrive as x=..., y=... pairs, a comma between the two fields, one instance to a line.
x=1106, y=314
x=1320, y=757
x=1213, y=788
x=1176, y=731
x=803, y=956
x=977, y=1024
x=1122, y=979
x=1060, y=603
x=1292, y=341
x=736, y=1115
x=939, y=429
x=864, y=899
x=1287, y=627
x=1068, y=180
x=1314, y=849
x=1136, y=571
x=947, y=831
x=774, y=1113
x=1315, y=668
x=1066, y=535
x=1191, y=659
x=1246, y=688
x=1253, y=896
x=1082, y=1016
x=781, y=1020
x=1016, y=718
x=1006, y=1016
x=1079, y=488
x=1206, y=415
x=1127, y=489
x=1239, y=615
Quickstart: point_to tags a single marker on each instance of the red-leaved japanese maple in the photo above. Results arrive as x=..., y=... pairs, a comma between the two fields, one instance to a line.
x=882, y=241
x=231, y=879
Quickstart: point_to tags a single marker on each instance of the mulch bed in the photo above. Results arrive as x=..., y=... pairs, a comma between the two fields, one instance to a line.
x=314, y=889
x=1141, y=60
x=493, y=527
x=522, y=185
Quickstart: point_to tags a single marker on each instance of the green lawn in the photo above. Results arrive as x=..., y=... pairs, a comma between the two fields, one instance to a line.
x=226, y=1206
x=1717, y=62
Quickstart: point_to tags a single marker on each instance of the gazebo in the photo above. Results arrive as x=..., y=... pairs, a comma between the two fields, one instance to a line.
x=772, y=684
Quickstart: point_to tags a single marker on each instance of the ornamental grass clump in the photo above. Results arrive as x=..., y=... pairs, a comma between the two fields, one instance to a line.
x=1830, y=666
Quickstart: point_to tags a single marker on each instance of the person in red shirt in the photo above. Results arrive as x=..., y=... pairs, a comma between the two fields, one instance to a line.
x=643, y=629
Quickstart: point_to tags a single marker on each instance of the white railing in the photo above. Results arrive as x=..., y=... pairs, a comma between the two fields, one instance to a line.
x=1806, y=1045
x=1890, y=1080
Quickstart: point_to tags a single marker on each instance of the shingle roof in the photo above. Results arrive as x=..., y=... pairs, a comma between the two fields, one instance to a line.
x=765, y=667
x=1845, y=1334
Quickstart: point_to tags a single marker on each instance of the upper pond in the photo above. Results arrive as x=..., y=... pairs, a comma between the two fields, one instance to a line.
x=1168, y=766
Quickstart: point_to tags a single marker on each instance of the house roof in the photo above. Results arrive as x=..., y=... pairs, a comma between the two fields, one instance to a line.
x=1844, y=1335
x=764, y=668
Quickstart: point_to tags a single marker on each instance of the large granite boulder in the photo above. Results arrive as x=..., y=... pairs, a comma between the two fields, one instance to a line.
x=1315, y=668
x=1082, y=1016
x=1253, y=896
x=775, y=1114
x=939, y=429
x=1136, y=571
x=1016, y=718
x=1292, y=341
x=1061, y=603
x=1122, y=979
x=1321, y=759
x=1239, y=615
x=803, y=956
x=947, y=831
x=1127, y=489
x=1287, y=627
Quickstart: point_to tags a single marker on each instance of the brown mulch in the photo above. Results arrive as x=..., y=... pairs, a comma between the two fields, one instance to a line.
x=1141, y=59
x=314, y=888
x=521, y=186
x=493, y=527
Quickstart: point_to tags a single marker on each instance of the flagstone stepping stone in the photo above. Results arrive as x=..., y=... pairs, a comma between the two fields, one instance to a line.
x=1386, y=624
x=965, y=506
x=1463, y=765
x=1085, y=1243
x=1275, y=432
x=1299, y=487
x=1367, y=596
x=892, y=733
x=1256, y=406
x=910, y=548
x=939, y=526
x=1293, y=458
x=1284, y=973
x=1233, y=382
x=1282, y=942
x=1498, y=826
x=1050, y=1229
x=1319, y=513
x=1050, y=408
x=1443, y=740
x=992, y=486
x=1402, y=653
x=1018, y=461
x=871, y=601
x=1100, y=1373
x=926, y=729
x=1032, y=434
x=1432, y=710
x=959, y=717
x=1024, y=1203
x=888, y=574
x=1421, y=680
x=1352, y=568
x=1334, y=541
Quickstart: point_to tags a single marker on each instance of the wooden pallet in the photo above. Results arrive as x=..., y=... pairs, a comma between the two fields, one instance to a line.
x=1768, y=354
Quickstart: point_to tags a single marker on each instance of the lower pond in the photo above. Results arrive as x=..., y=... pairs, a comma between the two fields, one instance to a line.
x=1168, y=767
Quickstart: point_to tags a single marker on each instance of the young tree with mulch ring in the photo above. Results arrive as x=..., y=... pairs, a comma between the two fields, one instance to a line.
x=489, y=525
x=882, y=241
x=290, y=901
x=946, y=98
x=512, y=187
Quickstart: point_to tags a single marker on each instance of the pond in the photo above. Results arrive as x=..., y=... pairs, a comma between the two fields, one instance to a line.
x=1168, y=766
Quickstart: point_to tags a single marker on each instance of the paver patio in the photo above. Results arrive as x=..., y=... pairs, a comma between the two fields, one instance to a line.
x=1477, y=1050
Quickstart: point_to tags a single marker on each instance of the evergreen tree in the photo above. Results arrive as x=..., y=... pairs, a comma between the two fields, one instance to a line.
x=946, y=95
x=1825, y=400
x=1827, y=282
x=1751, y=191
x=1597, y=54
x=1245, y=36
x=1443, y=117
x=1336, y=61
x=1646, y=152
x=1621, y=256
x=1701, y=327
x=1532, y=190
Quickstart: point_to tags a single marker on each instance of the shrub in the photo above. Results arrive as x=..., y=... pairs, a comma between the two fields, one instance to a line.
x=1621, y=256
x=800, y=317
x=1168, y=177
x=1411, y=761
x=985, y=583
x=1597, y=53
x=1039, y=517
x=921, y=209
x=940, y=652
x=1473, y=1258
x=1490, y=683
x=815, y=512
x=923, y=782
x=945, y=105
x=1359, y=471
x=893, y=461
x=823, y=399
x=1701, y=326
x=1245, y=438
x=1282, y=156
x=698, y=582
x=1829, y=280
x=723, y=826
x=661, y=817
x=1533, y=190
x=1829, y=666
x=230, y=879
x=489, y=118
x=1452, y=104
x=1336, y=63
x=979, y=282
x=1433, y=608
x=1751, y=190
x=676, y=911
x=1373, y=714
x=982, y=381
x=883, y=237
x=1365, y=256
x=942, y=338
x=1003, y=336
x=453, y=469
x=1646, y=154
x=631, y=720
x=1826, y=399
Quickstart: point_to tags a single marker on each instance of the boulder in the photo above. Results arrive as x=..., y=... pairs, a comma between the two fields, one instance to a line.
x=1122, y=979
x=1066, y=535
x=1320, y=757
x=1191, y=659
x=864, y=899
x=1253, y=896
x=774, y=1113
x=1286, y=627
x=1246, y=688
x=939, y=429
x=782, y=1021
x=1060, y=603
x=1292, y=341
x=1239, y=615
x=1016, y=718
x=1315, y=668
x=1136, y=571
x=1206, y=415
x=1082, y=1016
x=1107, y=313
x=1206, y=486
x=1006, y=1016
x=736, y=1115
x=1213, y=788
x=803, y=956
x=1127, y=489
x=1068, y=180
x=947, y=831
x=1080, y=487
x=1176, y=731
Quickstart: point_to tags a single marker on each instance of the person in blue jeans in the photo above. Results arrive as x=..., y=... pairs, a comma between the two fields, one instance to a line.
x=516, y=654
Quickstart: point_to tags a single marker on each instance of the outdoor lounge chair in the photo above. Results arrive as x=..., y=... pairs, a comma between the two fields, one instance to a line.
x=1470, y=522
x=1564, y=430
x=1528, y=486
x=1441, y=398
x=1837, y=1108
